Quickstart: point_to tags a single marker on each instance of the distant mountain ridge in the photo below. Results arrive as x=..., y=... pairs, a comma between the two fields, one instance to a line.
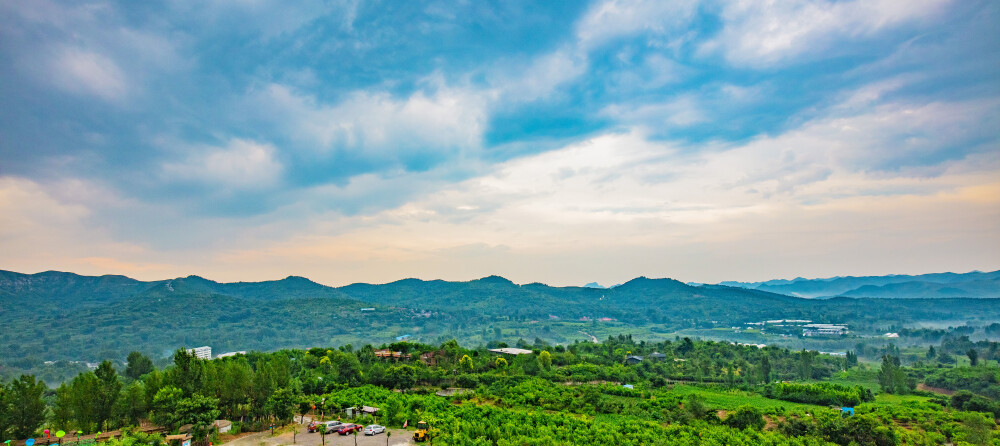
x=974, y=284
x=70, y=290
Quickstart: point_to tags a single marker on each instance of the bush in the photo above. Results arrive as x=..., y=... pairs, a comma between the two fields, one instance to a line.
x=746, y=417
x=824, y=394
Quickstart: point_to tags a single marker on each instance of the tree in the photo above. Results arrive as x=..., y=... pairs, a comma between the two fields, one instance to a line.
x=852, y=359
x=891, y=376
x=973, y=356
x=107, y=393
x=25, y=408
x=132, y=404
x=501, y=363
x=746, y=417
x=187, y=373
x=466, y=363
x=4, y=415
x=165, y=407
x=931, y=354
x=82, y=389
x=805, y=364
x=198, y=411
x=765, y=368
x=138, y=365
x=281, y=404
x=545, y=359
x=685, y=346
x=695, y=405
x=62, y=406
x=976, y=428
x=402, y=376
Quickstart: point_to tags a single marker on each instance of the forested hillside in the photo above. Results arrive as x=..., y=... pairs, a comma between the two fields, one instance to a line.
x=60, y=317
x=620, y=391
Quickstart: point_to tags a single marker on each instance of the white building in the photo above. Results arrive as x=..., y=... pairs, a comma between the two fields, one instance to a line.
x=824, y=330
x=201, y=352
x=510, y=351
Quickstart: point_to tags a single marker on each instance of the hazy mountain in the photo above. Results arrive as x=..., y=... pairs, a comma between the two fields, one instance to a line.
x=974, y=284
x=989, y=288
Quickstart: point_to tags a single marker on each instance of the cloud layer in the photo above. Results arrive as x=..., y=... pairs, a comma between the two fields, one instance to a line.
x=345, y=141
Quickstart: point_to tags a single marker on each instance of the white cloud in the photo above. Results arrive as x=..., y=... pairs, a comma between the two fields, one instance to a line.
x=616, y=18
x=630, y=206
x=241, y=165
x=89, y=73
x=378, y=126
x=541, y=76
x=682, y=111
x=761, y=34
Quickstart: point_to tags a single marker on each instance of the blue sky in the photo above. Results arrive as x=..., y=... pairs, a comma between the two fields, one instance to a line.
x=560, y=142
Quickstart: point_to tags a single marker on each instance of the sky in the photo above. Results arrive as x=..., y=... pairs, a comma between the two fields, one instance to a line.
x=556, y=142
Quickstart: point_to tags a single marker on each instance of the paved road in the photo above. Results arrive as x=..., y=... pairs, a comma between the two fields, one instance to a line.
x=399, y=437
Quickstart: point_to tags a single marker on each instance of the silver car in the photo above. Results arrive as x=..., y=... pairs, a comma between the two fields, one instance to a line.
x=373, y=429
x=332, y=426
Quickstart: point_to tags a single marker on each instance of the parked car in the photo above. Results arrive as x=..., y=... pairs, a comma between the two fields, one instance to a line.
x=373, y=429
x=332, y=426
x=345, y=429
x=313, y=426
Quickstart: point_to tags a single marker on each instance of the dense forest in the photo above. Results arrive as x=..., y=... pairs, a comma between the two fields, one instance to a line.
x=56, y=323
x=679, y=391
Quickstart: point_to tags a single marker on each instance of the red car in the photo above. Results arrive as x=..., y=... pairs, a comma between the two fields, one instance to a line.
x=348, y=428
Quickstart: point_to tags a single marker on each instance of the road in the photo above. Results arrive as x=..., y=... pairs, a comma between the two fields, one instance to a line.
x=303, y=438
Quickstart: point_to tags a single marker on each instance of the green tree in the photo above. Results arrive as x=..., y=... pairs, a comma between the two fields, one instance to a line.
x=765, y=368
x=891, y=376
x=391, y=411
x=976, y=428
x=746, y=417
x=82, y=389
x=62, y=406
x=805, y=364
x=25, y=408
x=466, y=363
x=281, y=404
x=973, y=357
x=165, y=407
x=132, y=404
x=198, y=411
x=138, y=365
x=695, y=405
x=545, y=360
x=107, y=392
x=402, y=376
x=931, y=353
x=851, y=359
x=187, y=373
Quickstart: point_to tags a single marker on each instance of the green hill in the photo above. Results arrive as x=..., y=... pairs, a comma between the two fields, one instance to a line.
x=56, y=316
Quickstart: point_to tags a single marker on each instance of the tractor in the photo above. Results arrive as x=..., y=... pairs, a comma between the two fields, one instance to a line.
x=421, y=433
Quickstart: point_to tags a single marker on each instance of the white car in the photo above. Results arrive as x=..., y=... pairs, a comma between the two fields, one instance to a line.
x=374, y=429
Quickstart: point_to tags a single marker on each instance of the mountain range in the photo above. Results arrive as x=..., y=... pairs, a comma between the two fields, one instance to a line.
x=57, y=316
x=975, y=284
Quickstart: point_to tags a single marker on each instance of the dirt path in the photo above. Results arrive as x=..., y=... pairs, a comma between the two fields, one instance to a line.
x=592, y=337
x=927, y=388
